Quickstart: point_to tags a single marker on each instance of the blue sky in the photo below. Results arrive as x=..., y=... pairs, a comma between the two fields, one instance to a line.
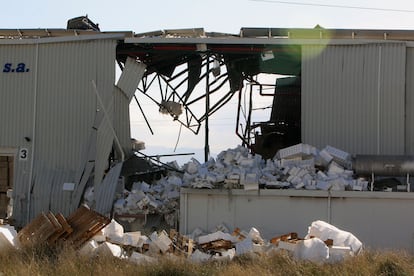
x=219, y=16
x=213, y=15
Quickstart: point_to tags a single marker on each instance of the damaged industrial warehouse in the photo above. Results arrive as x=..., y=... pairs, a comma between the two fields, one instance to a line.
x=326, y=159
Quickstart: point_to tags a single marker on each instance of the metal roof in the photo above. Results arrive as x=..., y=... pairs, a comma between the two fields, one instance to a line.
x=42, y=33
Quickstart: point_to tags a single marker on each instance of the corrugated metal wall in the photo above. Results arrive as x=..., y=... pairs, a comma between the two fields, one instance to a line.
x=123, y=93
x=121, y=120
x=353, y=97
x=17, y=96
x=57, y=96
x=66, y=72
x=409, y=102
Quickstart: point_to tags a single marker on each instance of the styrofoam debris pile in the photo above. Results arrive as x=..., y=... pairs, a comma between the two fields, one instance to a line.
x=160, y=197
x=217, y=245
x=301, y=166
x=222, y=245
x=297, y=167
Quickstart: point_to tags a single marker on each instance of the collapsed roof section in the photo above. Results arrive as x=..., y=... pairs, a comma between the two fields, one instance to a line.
x=180, y=60
x=222, y=64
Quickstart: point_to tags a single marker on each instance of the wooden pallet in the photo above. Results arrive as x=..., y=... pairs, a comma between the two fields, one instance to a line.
x=85, y=223
x=64, y=228
x=77, y=229
x=182, y=244
x=39, y=230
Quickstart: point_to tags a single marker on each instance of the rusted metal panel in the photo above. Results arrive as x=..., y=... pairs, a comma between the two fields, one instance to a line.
x=353, y=97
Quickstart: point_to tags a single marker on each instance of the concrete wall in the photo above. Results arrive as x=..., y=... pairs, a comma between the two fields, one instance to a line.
x=380, y=220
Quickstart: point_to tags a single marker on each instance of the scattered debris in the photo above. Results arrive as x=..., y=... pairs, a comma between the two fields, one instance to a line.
x=100, y=236
x=300, y=166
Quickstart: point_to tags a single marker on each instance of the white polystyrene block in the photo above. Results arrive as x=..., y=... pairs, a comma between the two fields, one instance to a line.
x=314, y=250
x=131, y=238
x=233, y=176
x=251, y=186
x=88, y=249
x=175, y=180
x=293, y=171
x=324, y=231
x=142, y=241
x=300, y=186
x=108, y=249
x=221, y=227
x=323, y=185
x=133, y=198
x=311, y=185
x=339, y=253
x=335, y=168
x=321, y=175
x=335, y=152
x=289, y=246
x=199, y=257
x=173, y=194
x=215, y=236
x=246, y=162
x=338, y=184
x=244, y=246
x=196, y=233
x=113, y=231
x=9, y=234
x=289, y=152
x=254, y=234
x=355, y=185
x=162, y=241
x=296, y=180
x=99, y=237
x=5, y=242
x=89, y=195
x=307, y=177
x=192, y=168
x=141, y=258
x=229, y=254
x=326, y=156
x=220, y=177
x=211, y=178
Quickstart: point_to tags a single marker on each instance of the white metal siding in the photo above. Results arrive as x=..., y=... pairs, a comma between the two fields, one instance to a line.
x=17, y=96
x=105, y=193
x=121, y=119
x=409, y=103
x=123, y=93
x=353, y=97
x=57, y=97
x=130, y=77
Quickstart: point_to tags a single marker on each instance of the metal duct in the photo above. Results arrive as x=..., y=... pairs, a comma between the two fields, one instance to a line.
x=383, y=165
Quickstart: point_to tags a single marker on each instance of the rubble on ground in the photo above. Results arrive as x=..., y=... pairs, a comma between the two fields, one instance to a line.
x=323, y=243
